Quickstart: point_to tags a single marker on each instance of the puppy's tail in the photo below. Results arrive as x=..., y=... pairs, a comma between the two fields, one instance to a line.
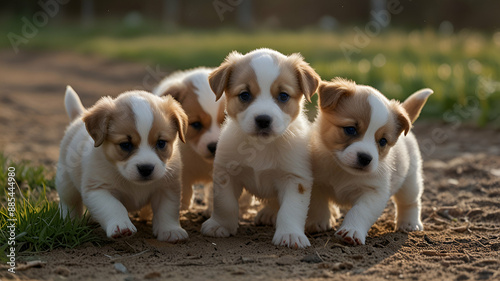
x=73, y=104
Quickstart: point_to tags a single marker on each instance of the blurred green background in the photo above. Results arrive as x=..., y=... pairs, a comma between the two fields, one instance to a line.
x=397, y=47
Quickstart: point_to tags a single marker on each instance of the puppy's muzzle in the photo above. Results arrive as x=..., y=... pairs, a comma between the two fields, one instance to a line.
x=212, y=147
x=145, y=170
x=263, y=125
x=364, y=159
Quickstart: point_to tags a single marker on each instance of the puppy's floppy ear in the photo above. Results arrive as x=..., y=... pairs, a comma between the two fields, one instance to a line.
x=308, y=78
x=330, y=93
x=96, y=119
x=219, y=78
x=176, y=91
x=178, y=116
x=403, y=121
x=414, y=103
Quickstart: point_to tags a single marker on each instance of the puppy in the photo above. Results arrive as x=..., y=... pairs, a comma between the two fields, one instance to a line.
x=120, y=155
x=360, y=160
x=263, y=145
x=205, y=117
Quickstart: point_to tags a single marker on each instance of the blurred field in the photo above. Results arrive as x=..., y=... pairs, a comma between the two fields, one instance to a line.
x=462, y=68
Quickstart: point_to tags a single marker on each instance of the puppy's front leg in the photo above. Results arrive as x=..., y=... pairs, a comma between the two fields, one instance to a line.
x=224, y=219
x=165, y=203
x=319, y=217
x=109, y=212
x=294, y=201
x=362, y=216
x=187, y=194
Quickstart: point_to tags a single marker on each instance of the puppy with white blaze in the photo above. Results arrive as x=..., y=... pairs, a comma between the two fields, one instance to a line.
x=205, y=117
x=263, y=146
x=361, y=160
x=119, y=156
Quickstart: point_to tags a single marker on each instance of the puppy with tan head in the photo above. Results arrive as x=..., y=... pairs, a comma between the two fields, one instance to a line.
x=263, y=145
x=205, y=117
x=363, y=154
x=120, y=155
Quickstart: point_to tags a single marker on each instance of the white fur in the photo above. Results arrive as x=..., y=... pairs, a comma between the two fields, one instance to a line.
x=86, y=177
x=270, y=167
x=399, y=175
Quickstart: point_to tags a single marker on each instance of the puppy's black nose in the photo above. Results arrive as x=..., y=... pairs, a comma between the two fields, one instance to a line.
x=145, y=170
x=212, y=147
x=364, y=159
x=263, y=121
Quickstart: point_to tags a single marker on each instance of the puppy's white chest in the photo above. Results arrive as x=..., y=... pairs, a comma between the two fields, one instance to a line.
x=261, y=183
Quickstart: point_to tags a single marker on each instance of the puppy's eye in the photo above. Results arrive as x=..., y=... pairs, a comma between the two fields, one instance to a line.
x=196, y=125
x=245, y=96
x=160, y=144
x=126, y=146
x=350, y=131
x=382, y=142
x=283, y=97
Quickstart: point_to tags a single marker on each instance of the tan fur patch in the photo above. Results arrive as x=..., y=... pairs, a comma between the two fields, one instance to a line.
x=242, y=79
x=287, y=82
x=121, y=128
x=350, y=111
x=301, y=189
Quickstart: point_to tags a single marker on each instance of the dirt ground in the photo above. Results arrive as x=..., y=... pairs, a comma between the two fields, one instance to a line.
x=461, y=201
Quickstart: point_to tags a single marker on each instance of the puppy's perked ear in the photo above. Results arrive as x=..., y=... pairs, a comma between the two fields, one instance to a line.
x=178, y=116
x=308, y=78
x=330, y=93
x=96, y=119
x=414, y=103
x=219, y=78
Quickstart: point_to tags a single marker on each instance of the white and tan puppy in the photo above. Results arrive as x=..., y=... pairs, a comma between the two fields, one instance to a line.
x=360, y=160
x=206, y=115
x=120, y=155
x=264, y=142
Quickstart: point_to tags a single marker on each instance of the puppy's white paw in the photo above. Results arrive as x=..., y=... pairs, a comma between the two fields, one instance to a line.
x=212, y=228
x=409, y=226
x=351, y=236
x=121, y=229
x=172, y=235
x=291, y=240
x=266, y=216
x=318, y=226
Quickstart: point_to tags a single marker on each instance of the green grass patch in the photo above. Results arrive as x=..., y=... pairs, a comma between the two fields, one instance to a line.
x=462, y=68
x=38, y=224
x=26, y=175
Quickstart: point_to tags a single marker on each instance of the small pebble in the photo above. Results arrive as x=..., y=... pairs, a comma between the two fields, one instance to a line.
x=120, y=267
x=312, y=258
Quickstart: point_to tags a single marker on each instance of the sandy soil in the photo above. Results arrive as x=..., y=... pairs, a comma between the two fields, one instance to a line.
x=461, y=201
